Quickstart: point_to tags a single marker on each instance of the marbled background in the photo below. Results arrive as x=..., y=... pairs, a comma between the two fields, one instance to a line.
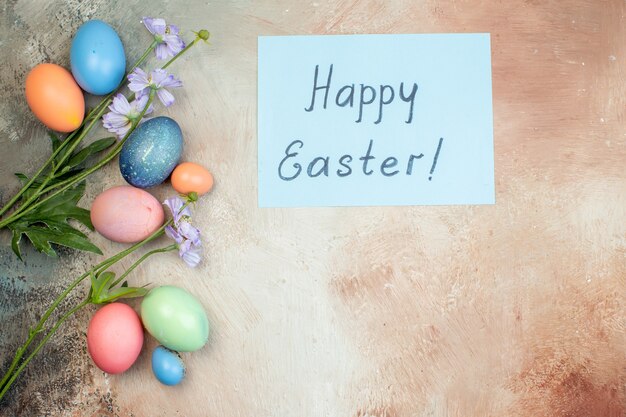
x=515, y=309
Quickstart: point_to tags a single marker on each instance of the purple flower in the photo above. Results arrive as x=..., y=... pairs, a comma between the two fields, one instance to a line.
x=141, y=83
x=168, y=41
x=183, y=232
x=175, y=204
x=122, y=115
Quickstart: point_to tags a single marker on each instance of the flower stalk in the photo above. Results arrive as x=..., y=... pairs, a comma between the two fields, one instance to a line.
x=69, y=145
x=18, y=365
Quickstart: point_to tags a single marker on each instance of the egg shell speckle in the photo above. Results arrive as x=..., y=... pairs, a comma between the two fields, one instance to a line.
x=97, y=57
x=126, y=214
x=114, y=338
x=151, y=152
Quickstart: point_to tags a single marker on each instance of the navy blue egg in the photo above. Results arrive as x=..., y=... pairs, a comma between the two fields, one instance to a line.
x=167, y=366
x=151, y=152
x=97, y=58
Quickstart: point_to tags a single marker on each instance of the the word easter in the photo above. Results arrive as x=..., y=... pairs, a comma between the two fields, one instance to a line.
x=321, y=165
x=367, y=95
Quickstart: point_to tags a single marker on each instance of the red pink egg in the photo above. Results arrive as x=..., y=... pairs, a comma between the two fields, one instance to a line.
x=115, y=338
x=126, y=214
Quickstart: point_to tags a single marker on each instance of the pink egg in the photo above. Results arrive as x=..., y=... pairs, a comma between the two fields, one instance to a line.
x=114, y=338
x=126, y=214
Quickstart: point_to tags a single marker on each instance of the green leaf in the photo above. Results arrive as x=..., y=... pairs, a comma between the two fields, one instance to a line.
x=126, y=292
x=48, y=224
x=56, y=143
x=42, y=237
x=15, y=244
x=62, y=207
x=93, y=148
x=31, y=190
x=100, y=284
x=102, y=290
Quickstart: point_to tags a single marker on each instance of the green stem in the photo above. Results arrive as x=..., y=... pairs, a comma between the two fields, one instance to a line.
x=175, y=57
x=102, y=105
x=30, y=182
x=102, y=265
x=101, y=108
x=140, y=260
x=19, y=370
x=79, y=177
x=66, y=155
x=24, y=208
x=34, y=332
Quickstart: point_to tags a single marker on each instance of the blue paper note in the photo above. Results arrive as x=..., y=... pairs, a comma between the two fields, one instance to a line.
x=371, y=120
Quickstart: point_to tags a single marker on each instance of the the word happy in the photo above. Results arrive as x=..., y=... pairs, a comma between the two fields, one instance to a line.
x=366, y=95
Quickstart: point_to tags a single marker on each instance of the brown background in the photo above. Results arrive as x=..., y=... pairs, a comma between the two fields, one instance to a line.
x=515, y=309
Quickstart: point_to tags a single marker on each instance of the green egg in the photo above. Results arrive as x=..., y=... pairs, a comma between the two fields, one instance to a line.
x=175, y=318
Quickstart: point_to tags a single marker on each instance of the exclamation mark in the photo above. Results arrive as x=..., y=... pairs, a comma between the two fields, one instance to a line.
x=432, y=168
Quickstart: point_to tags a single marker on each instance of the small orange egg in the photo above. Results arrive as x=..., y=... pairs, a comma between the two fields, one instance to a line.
x=55, y=98
x=189, y=177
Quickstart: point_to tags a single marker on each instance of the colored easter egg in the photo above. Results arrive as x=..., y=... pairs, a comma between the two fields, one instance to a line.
x=114, y=338
x=189, y=177
x=175, y=318
x=167, y=366
x=97, y=58
x=54, y=97
x=126, y=214
x=151, y=152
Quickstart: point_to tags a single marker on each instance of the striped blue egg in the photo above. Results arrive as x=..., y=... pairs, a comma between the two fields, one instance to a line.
x=151, y=152
x=97, y=58
x=167, y=366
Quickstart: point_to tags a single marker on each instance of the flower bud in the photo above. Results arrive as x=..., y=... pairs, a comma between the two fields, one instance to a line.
x=203, y=34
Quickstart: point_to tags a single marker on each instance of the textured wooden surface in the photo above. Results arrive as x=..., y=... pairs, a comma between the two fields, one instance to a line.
x=515, y=309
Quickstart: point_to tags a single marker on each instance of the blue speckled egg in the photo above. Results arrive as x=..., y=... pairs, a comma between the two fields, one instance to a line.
x=167, y=366
x=151, y=152
x=97, y=58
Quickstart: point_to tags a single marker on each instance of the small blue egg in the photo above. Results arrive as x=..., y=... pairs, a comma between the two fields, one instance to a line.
x=167, y=366
x=151, y=152
x=97, y=58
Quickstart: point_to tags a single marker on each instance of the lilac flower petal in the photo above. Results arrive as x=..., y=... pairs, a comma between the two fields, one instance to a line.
x=138, y=80
x=163, y=51
x=138, y=87
x=166, y=97
x=120, y=132
x=175, y=205
x=157, y=76
x=114, y=120
x=190, y=233
x=156, y=26
x=167, y=36
x=138, y=73
x=170, y=82
x=174, y=42
x=139, y=103
x=190, y=254
x=120, y=104
x=142, y=93
x=174, y=30
x=147, y=22
x=173, y=233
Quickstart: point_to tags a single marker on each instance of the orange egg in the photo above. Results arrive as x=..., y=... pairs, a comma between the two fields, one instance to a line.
x=55, y=98
x=189, y=177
